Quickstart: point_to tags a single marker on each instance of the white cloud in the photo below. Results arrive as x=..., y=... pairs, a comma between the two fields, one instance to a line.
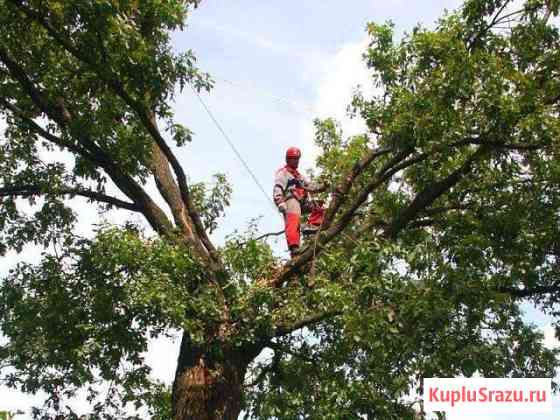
x=251, y=38
x=344, y=72
x=340, y=76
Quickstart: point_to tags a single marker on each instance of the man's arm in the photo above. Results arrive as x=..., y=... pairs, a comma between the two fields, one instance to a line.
x=313, y=186
x=280, y=185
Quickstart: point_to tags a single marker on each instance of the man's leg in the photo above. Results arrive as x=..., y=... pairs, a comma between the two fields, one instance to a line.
x=292, y=220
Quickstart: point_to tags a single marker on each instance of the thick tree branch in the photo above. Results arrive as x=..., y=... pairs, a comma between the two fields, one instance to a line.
x=297, y=265
x=57, y=112
x=300, y=264
x=159, y=165
x=145, y=115
x=426, y=197
x=30, y=190
x=384, y=176
x=341, y=191
x=167, y=187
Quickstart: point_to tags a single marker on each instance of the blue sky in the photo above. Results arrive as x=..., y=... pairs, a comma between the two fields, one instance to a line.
x=277, y=66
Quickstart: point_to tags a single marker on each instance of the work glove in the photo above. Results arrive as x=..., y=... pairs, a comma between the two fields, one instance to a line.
x=282, y=207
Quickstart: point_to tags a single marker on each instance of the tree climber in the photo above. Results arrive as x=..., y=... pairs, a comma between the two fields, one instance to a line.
x=291, y=195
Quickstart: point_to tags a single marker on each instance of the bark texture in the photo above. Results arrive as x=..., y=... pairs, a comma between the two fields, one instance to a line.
x=208, y=386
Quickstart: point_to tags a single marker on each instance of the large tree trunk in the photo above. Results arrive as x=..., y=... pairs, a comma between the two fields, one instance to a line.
x=209, y=386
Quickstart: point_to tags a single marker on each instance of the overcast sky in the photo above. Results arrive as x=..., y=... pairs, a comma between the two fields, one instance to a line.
x=277, y=66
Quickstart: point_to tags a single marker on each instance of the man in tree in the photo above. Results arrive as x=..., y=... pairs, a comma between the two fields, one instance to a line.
x=291, y=195
x=426, y=280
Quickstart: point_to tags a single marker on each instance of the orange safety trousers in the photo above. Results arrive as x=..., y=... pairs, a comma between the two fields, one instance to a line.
x=292, y=219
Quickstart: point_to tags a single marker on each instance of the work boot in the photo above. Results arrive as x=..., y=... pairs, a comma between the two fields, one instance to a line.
x=307, y=229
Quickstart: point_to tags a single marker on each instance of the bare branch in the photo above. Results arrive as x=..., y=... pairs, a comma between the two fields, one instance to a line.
x=494, y=21
x=497, y=18
x=31, y=190
x=430, y=221
x=266, y=235
x=515, y=13
x=385, y=175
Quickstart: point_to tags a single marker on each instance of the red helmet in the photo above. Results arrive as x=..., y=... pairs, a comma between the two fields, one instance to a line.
x=293, y=152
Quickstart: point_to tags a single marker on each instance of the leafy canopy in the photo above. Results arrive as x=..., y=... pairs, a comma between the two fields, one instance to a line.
x=442, y=222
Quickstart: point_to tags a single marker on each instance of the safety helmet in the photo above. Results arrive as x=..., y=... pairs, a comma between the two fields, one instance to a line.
x=293, y=152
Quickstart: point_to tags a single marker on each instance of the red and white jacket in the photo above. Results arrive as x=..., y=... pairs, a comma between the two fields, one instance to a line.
x=289, y=183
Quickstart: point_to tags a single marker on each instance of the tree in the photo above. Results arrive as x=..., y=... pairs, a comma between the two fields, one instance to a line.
x=442, y=220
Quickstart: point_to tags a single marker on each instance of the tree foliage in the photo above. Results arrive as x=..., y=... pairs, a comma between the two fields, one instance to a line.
x=442, y=220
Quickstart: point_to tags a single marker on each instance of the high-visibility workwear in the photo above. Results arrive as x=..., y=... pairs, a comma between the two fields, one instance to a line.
x=291, y=193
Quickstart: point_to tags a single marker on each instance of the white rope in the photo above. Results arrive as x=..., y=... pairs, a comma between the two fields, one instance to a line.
x=232, y=146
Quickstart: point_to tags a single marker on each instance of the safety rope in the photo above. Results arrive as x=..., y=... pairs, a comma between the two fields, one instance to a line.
x=248, y=169
x=232, y=146
x=311, y=282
